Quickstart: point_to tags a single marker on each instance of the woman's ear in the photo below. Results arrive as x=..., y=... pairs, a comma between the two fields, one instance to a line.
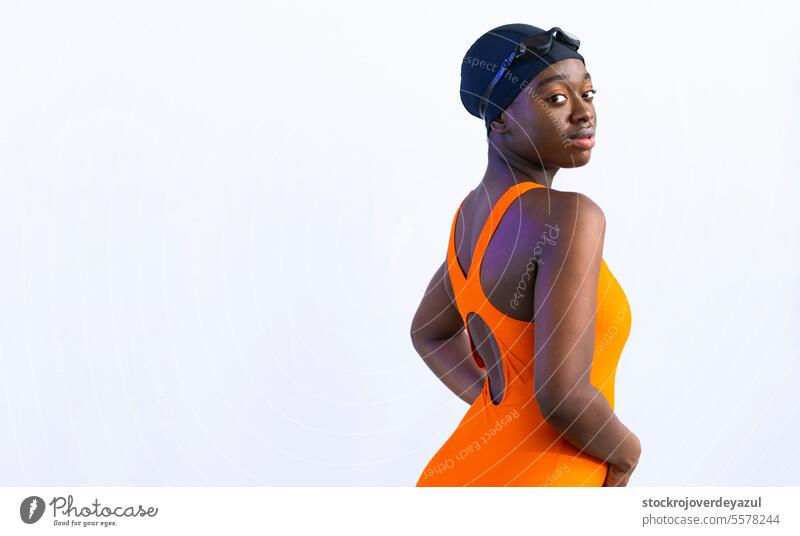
x=500, y=125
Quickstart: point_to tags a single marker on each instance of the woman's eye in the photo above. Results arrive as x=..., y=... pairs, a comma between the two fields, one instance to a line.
x=590, y=93
x=554, y=97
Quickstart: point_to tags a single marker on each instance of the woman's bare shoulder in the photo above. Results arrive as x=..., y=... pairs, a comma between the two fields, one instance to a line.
x=547, y=203
x=573, y=214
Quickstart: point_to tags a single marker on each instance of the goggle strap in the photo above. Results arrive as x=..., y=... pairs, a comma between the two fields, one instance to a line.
x=503, y=68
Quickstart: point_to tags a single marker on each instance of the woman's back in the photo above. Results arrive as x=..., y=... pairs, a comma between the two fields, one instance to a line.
x=504, y=439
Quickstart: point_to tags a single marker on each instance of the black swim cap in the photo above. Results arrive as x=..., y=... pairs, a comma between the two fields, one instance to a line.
x=486, y=55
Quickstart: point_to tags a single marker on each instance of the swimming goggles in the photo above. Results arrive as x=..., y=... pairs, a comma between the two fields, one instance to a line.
x=532, y=46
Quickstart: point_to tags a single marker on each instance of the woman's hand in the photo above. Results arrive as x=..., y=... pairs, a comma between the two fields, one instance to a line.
x=617, y=476
x=621, y=469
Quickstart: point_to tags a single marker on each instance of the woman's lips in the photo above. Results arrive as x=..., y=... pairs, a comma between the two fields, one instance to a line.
x=584, y=138
x=584, y=143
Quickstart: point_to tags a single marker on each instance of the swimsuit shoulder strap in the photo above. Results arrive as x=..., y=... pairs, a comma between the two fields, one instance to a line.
x=493, y=221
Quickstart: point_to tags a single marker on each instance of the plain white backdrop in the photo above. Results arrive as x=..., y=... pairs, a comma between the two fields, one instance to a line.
x=217, y=220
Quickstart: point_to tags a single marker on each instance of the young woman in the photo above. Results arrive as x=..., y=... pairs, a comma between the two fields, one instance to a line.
x=524, y=320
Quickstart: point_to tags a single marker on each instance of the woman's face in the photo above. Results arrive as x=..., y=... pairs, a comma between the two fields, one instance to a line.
x=551, y=122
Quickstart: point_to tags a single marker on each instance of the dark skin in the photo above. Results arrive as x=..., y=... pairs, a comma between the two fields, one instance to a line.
x=530, y=141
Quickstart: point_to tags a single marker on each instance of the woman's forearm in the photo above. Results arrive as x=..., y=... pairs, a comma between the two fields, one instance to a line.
x=588, y=422
x=451, y=361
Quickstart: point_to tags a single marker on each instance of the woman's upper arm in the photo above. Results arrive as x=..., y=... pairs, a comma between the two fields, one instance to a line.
x=565, y=300
x=437, y=316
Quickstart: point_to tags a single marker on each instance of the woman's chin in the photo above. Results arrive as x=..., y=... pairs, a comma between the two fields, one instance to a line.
x=578, y=159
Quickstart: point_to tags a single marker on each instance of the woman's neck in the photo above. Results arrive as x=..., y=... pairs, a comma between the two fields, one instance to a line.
x=503, y=172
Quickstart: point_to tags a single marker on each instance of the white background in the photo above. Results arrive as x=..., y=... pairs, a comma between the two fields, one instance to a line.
x=217, y=220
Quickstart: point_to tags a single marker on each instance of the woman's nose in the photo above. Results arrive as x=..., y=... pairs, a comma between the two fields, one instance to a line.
x=581, y=111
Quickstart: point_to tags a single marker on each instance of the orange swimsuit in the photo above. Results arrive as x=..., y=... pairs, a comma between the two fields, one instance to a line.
x=510, y=444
